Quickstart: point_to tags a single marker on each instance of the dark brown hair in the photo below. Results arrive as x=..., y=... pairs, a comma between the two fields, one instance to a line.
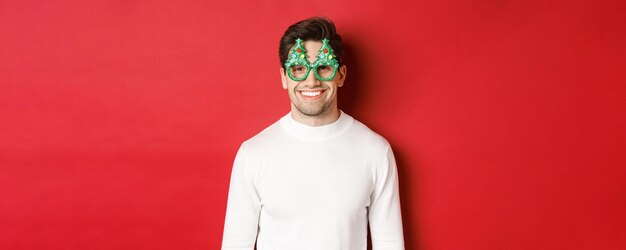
x=315, y=29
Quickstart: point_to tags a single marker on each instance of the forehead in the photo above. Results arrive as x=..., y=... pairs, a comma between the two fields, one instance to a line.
x=311, y=49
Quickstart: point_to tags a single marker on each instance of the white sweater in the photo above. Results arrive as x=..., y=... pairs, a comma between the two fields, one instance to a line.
x=297, y=187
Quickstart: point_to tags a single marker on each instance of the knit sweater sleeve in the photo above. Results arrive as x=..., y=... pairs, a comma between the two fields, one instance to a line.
x=385, y=218
x=242, y=211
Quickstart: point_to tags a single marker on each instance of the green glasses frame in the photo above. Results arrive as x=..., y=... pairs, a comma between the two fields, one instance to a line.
x=325, y=57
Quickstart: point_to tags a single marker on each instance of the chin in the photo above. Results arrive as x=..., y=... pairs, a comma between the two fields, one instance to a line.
x=313, y=112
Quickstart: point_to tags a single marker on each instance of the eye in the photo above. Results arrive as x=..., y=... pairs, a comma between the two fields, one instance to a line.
x=298, y=69
x=324, y=68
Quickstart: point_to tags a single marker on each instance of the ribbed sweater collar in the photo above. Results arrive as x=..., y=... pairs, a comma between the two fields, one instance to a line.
x=316, y=133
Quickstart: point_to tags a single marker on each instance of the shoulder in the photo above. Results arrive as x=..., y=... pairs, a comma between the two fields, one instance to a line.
x=362, y=134
x=264, y=140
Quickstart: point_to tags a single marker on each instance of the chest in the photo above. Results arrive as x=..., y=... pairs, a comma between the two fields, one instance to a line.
x=293, y=186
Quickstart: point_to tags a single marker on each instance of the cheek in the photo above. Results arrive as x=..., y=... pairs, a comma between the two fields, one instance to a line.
x=333, y=86
x=291, y=86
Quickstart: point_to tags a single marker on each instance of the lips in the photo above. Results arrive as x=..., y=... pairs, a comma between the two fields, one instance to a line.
x=311, y=94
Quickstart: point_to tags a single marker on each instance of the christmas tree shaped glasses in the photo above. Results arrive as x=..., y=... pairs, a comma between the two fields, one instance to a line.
x=324, y=67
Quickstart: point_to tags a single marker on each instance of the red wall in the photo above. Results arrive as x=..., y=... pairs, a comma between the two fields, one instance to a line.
x=120, y=119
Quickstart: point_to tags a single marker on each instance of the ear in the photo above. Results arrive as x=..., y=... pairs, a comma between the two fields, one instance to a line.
x=283, y=78
x=341, y=75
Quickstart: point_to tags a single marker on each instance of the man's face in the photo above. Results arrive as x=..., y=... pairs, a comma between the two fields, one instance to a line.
x=311, y=96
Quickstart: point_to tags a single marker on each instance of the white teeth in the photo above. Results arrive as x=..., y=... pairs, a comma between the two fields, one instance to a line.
x=311, y=93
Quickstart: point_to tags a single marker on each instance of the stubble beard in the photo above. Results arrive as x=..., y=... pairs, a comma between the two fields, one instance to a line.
x=311, y=109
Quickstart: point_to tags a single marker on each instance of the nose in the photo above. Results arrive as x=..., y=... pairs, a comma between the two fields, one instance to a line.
x=311, y=80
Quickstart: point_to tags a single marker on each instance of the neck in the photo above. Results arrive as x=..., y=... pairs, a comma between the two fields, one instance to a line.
x=327, y=117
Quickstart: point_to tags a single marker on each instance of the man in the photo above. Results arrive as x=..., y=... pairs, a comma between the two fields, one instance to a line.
x=315, y=178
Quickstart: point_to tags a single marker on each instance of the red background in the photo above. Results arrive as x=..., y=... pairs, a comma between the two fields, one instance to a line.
x=121, y=119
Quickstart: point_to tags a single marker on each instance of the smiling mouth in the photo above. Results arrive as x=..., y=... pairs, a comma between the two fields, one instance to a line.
x=311, y=94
